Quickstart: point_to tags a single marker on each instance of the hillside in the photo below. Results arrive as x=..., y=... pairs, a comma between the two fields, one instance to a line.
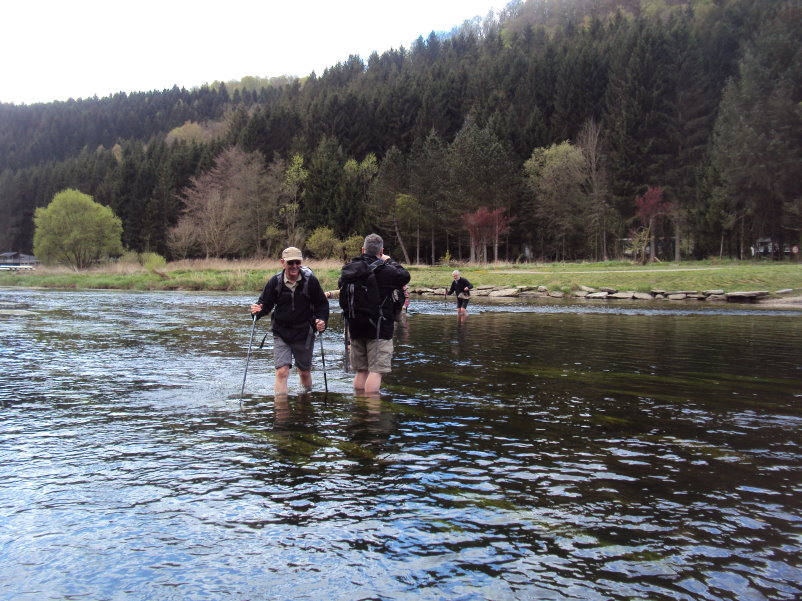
x=416, y=143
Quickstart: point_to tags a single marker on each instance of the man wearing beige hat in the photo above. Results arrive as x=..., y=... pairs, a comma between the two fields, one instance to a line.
x=300, y=308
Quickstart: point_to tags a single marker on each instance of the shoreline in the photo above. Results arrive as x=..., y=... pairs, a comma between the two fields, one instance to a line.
x=781, y=299
x=767, y=285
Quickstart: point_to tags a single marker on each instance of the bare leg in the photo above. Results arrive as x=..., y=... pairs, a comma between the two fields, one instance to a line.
x=359, y=380
x=373, y=382
x=282, y=374
x=306, y=379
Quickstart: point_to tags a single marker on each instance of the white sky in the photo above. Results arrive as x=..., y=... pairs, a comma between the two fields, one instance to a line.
x=60, y=49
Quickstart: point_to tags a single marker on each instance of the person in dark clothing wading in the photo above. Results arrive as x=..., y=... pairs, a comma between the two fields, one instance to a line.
x=300, y=308
x=371, y=328
x=462, y=288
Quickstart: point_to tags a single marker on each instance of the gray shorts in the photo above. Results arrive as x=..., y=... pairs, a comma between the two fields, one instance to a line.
x=283, y=353
x=373, y=355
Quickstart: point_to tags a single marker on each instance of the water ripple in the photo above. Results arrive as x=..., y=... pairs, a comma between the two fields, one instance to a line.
x=523, y=453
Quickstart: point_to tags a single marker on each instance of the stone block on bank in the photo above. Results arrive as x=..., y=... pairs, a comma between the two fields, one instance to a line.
x=587, y=289
x=608, y=290
x=712, y=292
x=746, y=296
x=581, y=293
x=676, y=296
x=622, y=295
x=643, y=296
x=505, y=292
x=601, y=294
x=717, y=297
x=556, y=294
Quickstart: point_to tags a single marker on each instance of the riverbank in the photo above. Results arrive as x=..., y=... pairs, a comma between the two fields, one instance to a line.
x=784, y=298
x=774, y=284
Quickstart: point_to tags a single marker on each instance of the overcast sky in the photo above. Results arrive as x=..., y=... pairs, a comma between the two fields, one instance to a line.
x=60, y=49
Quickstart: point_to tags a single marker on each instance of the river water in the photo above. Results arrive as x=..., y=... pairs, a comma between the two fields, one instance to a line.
x=530, y=451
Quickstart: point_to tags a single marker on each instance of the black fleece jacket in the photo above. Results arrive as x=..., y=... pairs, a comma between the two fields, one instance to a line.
x=293, y=312
x=459, y=285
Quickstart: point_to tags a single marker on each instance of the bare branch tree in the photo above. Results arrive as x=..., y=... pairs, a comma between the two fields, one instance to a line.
x=589, y=142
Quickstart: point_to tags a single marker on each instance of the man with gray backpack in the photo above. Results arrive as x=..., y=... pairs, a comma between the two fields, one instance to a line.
x=371, y=293
x=300, y=308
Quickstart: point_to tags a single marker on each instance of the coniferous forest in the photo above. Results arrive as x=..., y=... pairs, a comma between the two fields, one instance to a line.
x=552, y=130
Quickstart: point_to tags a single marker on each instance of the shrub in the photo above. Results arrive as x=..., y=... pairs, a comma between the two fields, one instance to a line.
x=323, y=244
x=352, y=247
x=75, y=230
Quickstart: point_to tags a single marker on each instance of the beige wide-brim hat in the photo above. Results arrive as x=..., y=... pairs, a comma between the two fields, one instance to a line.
x=292, y=254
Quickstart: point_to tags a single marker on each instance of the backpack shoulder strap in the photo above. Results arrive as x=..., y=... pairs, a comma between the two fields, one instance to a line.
x=376, y=265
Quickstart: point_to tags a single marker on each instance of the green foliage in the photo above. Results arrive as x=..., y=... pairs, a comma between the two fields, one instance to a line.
x=153, y=261
x=560, y=205
x=323, y=243
x=352, y=246
x=273, y=237
x=149, y=260
x=76, y=231
x=757, y=147
x=195, y=132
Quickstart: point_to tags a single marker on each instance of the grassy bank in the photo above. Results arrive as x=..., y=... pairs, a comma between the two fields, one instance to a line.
x=250, y=276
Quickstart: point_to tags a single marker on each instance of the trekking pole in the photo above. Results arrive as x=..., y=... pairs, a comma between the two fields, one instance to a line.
x=248, y=357
x=347, y=341
x=323, y=357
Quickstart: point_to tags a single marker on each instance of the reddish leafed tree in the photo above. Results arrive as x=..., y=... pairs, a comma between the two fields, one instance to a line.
x=651, y=207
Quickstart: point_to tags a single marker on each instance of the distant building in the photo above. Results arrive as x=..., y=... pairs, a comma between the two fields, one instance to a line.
x=15, y=260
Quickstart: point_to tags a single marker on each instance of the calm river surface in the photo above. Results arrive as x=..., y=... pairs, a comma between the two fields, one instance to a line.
x=543, y=451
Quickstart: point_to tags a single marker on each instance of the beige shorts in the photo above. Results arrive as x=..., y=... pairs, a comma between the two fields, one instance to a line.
x=373, y=355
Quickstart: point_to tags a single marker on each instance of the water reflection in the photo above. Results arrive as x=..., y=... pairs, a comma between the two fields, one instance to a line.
x=523, y=453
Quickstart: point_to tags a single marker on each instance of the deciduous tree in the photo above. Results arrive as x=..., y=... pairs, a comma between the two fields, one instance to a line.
x=225, y=212
x=76, y=231
x=594, y=172
x=555, y=176
x=651, y=207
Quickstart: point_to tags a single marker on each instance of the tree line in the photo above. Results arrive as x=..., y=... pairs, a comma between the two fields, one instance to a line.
x=559, y=130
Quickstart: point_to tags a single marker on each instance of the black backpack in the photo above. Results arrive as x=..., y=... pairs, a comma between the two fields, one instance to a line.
x=307, y=273
x=360, y=299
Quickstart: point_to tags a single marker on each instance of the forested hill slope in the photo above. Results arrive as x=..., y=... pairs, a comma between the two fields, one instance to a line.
x=476, y=118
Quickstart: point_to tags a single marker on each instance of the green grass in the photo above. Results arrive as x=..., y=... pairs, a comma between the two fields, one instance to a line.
x=729, y=276
x=697, y=275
